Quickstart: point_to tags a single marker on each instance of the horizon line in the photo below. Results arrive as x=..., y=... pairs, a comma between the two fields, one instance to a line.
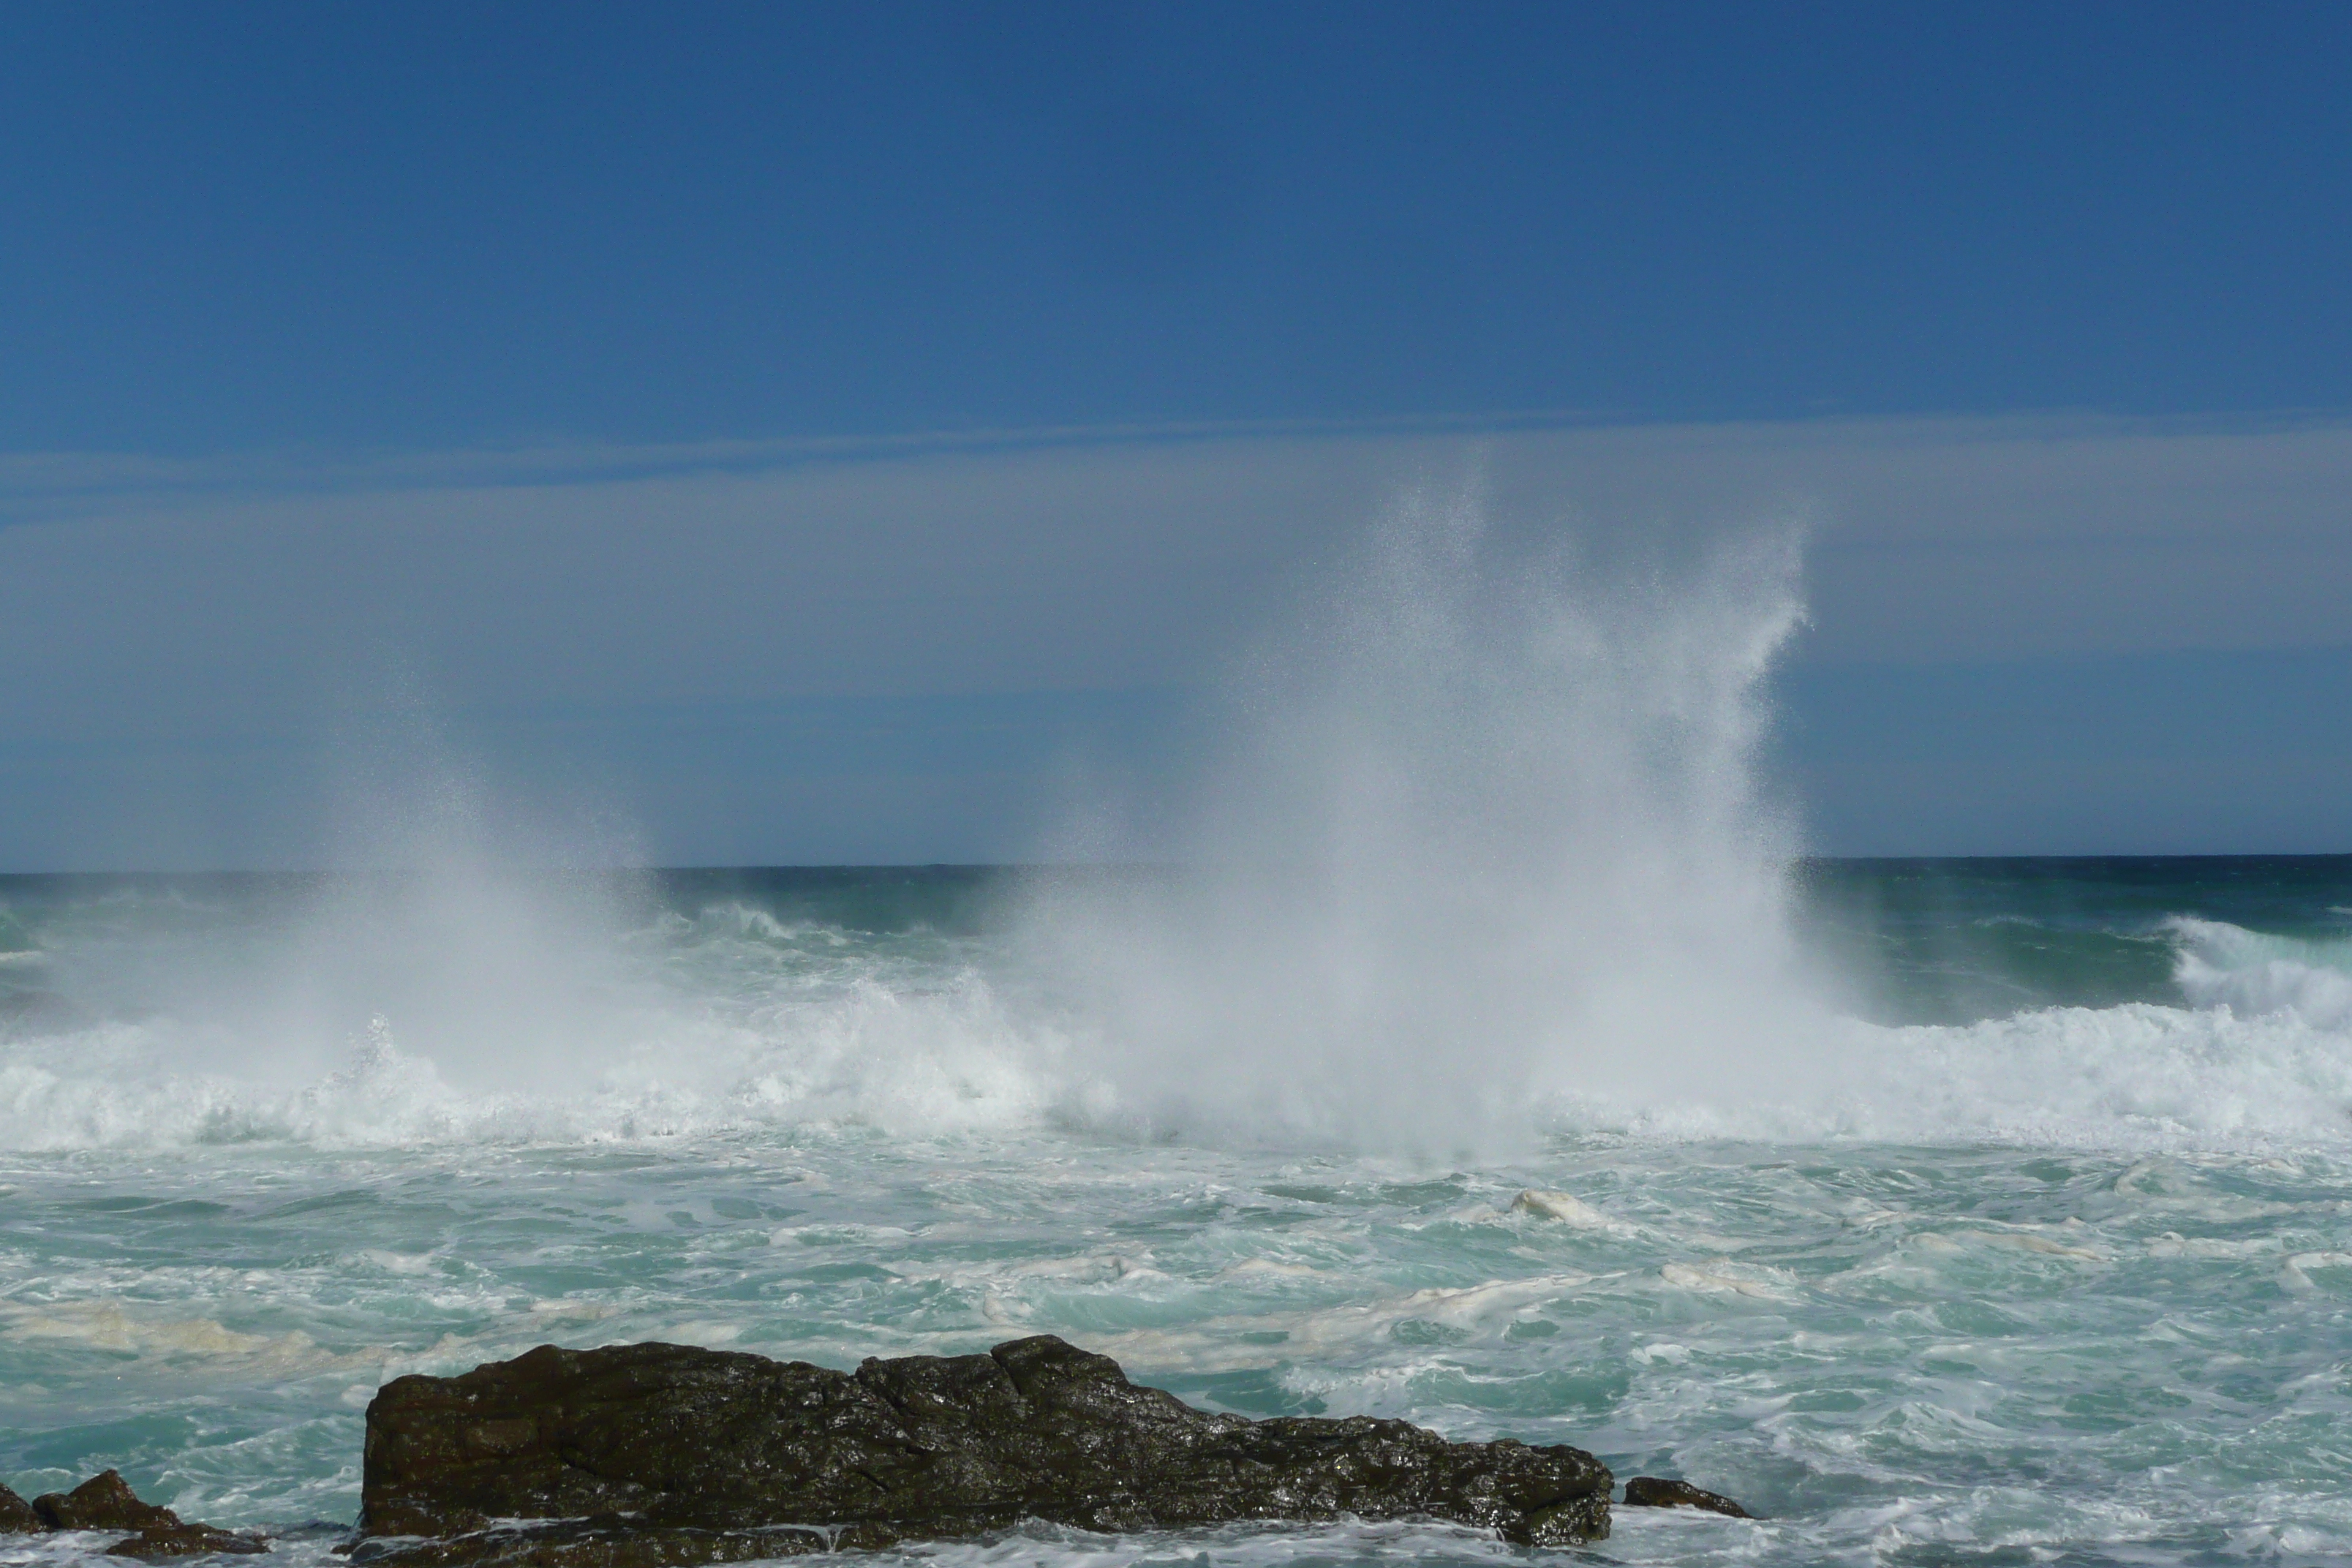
x=290, y=873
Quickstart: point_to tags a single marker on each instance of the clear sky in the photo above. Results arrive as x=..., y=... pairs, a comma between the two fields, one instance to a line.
x=312, y=305
x=435, y=225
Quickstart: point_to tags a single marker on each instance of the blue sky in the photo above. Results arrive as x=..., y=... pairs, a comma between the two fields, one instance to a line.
x=431, y=224
x=290, y=288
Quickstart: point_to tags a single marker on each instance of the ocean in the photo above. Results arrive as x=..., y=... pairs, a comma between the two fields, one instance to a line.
x=1975, y=1212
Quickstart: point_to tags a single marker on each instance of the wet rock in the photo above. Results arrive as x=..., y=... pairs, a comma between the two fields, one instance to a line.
x=659, y=1456
x=582, y=1544
x=105, y=1501
x=161, y=1542
x=16, y=1515
x=1649, y=1492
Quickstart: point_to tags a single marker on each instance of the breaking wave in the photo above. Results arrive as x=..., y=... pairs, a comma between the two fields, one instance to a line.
x=1483, y=857
x=735, y=1019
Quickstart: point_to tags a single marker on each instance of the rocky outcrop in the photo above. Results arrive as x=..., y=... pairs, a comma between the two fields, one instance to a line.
x=105, y=1502
x=1649, y=1492
x=654, y=1456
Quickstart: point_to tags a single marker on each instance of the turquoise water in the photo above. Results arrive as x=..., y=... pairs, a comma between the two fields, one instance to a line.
x=2021, y=1231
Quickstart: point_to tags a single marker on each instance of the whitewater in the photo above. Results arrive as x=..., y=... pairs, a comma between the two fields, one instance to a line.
x=1475, y=1048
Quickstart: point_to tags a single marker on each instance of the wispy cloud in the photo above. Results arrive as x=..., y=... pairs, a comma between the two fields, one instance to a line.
x=186, y=604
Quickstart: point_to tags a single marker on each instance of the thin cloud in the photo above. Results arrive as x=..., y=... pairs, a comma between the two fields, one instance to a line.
x=569, y=603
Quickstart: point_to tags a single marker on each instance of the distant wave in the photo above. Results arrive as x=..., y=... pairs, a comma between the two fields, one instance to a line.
x=2223, y=965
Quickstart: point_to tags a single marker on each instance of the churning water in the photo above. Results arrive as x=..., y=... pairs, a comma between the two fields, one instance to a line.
x=1965, y=1213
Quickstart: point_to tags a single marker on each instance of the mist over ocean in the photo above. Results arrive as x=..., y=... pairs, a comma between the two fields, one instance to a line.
x=1484, y=1052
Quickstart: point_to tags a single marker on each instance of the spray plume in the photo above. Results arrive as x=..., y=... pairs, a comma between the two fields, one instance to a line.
x=1487, y=837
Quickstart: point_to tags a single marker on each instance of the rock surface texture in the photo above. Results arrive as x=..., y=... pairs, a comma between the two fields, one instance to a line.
x=106, y=1502
x=1649, y=1492
x=652, y=1454
x=177, y=1538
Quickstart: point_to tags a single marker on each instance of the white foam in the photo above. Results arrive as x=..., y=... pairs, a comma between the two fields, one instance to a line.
x=2134, y=1076
x=1565, y=1207
x=943, y=1059
x=2223, y=965
x=945, y=1054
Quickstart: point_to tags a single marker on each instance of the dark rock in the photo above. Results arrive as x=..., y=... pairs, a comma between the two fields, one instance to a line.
x=158, y=1542
x=1649, y=1492
x=584, y=1545
x=660, y=1455
x=16, y=1515
x=105, y=1501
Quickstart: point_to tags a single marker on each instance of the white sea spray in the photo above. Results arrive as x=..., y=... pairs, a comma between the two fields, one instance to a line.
x=1485, y=829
